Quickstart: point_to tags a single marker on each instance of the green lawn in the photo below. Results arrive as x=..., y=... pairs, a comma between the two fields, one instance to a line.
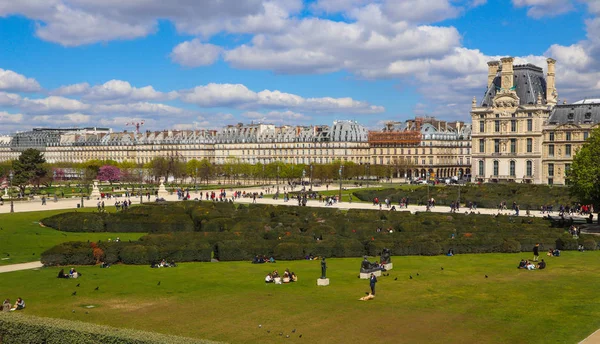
x=22, y=239
x=228, y=301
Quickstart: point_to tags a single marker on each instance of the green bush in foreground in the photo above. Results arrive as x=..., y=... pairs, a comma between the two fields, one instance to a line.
x=19, y=329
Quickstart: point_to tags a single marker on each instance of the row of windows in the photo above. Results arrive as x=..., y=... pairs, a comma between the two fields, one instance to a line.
x=567, y=150
x=568, y=136
x=513, y=145
x=513, y=126
x=512, y=167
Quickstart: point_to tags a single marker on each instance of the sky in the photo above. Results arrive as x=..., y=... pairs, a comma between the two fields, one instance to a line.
x=203, y=64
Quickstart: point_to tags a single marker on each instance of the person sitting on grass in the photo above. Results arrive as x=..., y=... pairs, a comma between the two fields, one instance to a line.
x=269, y=278
x=61, y=274
x=541, y=265
x=19, y=305
x=529, y=265
x=556, y=253
x=549, y=254
x=5, y=306
x=294, y=278
x=522, y=264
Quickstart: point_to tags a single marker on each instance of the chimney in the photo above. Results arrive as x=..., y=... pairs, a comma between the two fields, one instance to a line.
x=492, y=71
x=507, y=73
x=551, y=93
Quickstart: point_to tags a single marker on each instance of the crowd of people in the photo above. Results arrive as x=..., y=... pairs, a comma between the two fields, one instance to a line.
x=274, y=277
x=19, y=305
x=530, y=265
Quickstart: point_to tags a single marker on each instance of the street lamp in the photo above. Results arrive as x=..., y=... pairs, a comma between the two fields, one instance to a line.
x=459, y=178
x=303, y=176
x=427, y=179
x=311, y=168
x=196, y=180
x=368, y=173
x=12, y=204
x=341, y=171
x=141, y=183
x=277, y=180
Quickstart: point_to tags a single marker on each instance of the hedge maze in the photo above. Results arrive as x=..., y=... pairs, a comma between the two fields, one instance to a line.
x=198, y=231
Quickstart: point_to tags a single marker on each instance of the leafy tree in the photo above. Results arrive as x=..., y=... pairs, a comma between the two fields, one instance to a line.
x=29, y=169
x=109, y=173
x=192, y=169
x=584, y=175
x=159, y=167
x=206, y=170
x=5, y=168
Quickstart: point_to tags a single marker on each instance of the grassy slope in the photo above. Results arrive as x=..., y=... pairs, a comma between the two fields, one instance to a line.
x=22, y=239
x=227, y=301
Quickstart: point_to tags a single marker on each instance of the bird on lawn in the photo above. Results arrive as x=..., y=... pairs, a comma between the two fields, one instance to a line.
x=486, y=276
x=418, y=274
x=300, y=336
x=158, y=283
x=281, y=333
x=294, y=331
x=395, y=279
x=442, y=268
x=410, y=277
x=287, y=336
x=97, y=288
x=74, y=293
x=268, y=331
x=78, y=284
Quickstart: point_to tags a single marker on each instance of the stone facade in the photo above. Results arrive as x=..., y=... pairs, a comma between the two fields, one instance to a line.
x=507, y=137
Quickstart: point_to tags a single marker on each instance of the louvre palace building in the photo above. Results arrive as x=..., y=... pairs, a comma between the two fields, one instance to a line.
x=420, y=147
x=520, y=132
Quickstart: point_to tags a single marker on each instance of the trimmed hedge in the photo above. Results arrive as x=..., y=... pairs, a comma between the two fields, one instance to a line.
x=192, y=231
x=487, y=195
x=20, y=328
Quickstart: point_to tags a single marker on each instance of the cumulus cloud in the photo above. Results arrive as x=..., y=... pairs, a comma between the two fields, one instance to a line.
x=238, y=95
x=8, y=118
x=279, y=117
x=195, y=53
x=122, y=91
x=68, y=90
x=15, y=82
x=545, y=8
x=52, y=104
x=78, y=22
x=72, y=119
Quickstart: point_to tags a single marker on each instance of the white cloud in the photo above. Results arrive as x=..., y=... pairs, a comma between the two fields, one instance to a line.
x=9, y=99
x=78, y=22
x=15, y=82
x=545, y=8
x=215, y=95
x=238, y=95
x=143, y=108
x=195, y=53
x=6, y=118
x=280, y=117
x=72, y=119
x=122, y=91
x=52, y=104
x=74, y=89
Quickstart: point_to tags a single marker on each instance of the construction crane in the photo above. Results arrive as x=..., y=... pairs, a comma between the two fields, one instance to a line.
x=136, y=124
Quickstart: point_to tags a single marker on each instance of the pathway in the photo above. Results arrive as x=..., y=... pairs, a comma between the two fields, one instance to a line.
x=18, y=267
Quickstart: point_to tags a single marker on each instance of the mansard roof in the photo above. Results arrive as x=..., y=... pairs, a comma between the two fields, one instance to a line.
x=576, y=113
x=528, y=83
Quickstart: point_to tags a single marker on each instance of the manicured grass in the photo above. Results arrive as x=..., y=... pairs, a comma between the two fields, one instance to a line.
x=228, y=301
x=22, y=239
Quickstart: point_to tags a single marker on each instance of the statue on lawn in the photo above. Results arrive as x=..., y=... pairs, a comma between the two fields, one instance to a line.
x=323, y=268
x=385, y=256
x=368, y=267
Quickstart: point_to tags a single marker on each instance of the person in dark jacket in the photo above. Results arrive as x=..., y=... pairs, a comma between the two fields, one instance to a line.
x=372, y=282
x=536, y=252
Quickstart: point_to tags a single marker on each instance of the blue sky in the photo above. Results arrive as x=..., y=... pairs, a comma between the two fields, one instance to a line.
x=187, y=64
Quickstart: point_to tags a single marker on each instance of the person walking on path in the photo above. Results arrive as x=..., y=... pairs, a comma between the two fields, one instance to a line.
x=536, y=252
x=372, y=282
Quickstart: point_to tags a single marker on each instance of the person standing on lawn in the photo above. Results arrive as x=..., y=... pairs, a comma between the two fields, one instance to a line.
x=536, y=252
x=372, y=282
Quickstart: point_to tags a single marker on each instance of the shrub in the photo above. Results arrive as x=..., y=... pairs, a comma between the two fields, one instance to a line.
x=135, y=254
x=20, y=328
x=76, y=222
x=69, y=253
x=590, y=244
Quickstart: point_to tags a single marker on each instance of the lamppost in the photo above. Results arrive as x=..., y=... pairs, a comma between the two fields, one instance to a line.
x=196, y=180
x=141, y=183
x=427, y=179
x=368, y=173
x=459, y=178
x=277, y=180
x=311, y=169
x=12, y=204
x=341, y=171
x=303, y=176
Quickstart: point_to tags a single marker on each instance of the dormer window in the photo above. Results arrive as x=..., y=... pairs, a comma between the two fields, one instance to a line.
x=588, y=115
x=570, y=116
